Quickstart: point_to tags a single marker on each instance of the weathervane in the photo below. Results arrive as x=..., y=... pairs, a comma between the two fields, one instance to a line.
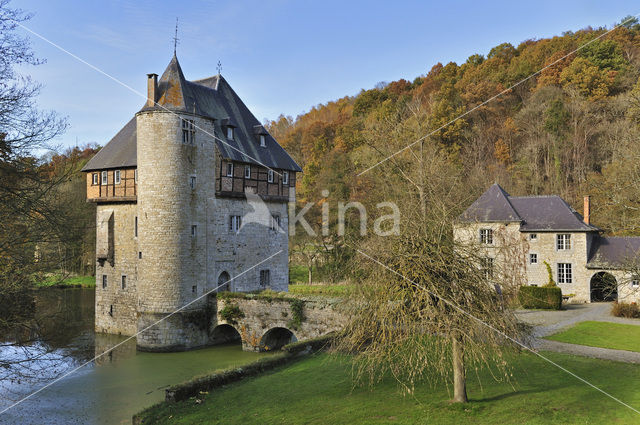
x=219, y=67
x=175, y=38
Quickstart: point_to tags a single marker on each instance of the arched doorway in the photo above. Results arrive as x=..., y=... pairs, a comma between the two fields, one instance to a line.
x=603, y=287
x=276, y=338
x=224, y=334
x=224, y=283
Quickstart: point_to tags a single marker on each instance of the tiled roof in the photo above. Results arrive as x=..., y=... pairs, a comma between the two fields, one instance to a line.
x=613, y=252
x=211, y=97
x=534, y=213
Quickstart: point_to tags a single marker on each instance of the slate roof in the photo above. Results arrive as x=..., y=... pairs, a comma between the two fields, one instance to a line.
x=211, y=97
x=534, y=213
x=613, y=252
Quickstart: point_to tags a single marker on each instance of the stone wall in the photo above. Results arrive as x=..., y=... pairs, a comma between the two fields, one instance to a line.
x=116, y=306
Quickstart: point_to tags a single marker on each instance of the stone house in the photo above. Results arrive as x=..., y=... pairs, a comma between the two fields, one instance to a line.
x=521, y=239
x=173, y=190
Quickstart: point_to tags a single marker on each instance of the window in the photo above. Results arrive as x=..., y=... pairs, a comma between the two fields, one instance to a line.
x=235, y=221
x=275, y=222
x=563, y=241
x=192, y=182
x=111, y=310
x=124, y=282
x=564, y=273
x=194, y=230
x=265, y=277
x=285, y=177
x=230, y=170
x=270, y=176
x=104, y=178
x=188, y=132
x=135, y=226
x=140, y=254
x=194, y=289
x=533, y=236
x=486, y=236
x=135, y=175
x=95, y=178
x=635, y=282
x=230, y=133
x=104, y=281
x=247, y=171
x=487, y=267
x=116, y=177
x=263, y=141
x=533, y=258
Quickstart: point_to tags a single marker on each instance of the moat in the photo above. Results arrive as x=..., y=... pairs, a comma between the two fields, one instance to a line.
x=107, y=391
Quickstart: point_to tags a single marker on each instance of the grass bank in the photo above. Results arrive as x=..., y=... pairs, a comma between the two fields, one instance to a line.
x=319, y=390
x=336, y=290
x=60, y=281
x=601, y=334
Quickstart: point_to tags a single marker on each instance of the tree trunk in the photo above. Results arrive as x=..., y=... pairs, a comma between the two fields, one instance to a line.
x=459, y=378
x=310, y=279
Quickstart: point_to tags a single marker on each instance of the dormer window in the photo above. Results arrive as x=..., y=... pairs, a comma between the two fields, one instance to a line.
x=230, y=133
x=263, y=141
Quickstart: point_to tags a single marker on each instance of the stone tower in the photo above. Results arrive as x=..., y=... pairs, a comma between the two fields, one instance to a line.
x=196, y=157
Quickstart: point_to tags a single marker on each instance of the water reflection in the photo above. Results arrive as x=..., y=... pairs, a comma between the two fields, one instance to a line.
x=106, y=391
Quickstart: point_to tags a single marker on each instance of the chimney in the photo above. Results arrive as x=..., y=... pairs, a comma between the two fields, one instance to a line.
x=587, y=209
x=152, y=89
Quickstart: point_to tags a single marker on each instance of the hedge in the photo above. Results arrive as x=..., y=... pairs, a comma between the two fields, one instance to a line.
x=545, y=297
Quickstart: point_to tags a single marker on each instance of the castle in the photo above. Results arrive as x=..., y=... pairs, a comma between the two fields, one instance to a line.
x=525, y=240
x=172, y=190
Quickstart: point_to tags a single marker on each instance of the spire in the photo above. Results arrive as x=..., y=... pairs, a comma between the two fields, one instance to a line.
x=173, y=89
x=175, y=39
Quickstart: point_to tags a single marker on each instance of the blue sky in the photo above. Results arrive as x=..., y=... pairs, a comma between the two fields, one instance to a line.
x=281, y=56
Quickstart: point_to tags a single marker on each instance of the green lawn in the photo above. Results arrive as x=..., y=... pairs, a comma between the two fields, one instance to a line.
x=319, y=390
x=57, y=280
x=298, y=273
x=330, y=290
x=602, y=334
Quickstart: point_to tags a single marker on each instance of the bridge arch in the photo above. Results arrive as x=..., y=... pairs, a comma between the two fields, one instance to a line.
x=604, y=287
x=224, y=334
x=276, y=338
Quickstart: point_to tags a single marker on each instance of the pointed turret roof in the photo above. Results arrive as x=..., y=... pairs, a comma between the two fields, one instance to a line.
x=492, y=206
x=210, y=97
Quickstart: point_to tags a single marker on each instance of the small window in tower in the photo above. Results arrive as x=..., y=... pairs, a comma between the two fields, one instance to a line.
x=194, y=289
x=263, y=141
x=194, y=230
x=247, y=171
x=230, y=133
x=192, y=182
x=135, y=175
x=140, y=254
x=275, y=222
x=104, y=281
x=111, y=310
x=270, y=176
x=135, y=226
x=188, y=132
x=116, y=177
x=285, y=177
x=235, y=222
x=104, y=178
x=95, y=178
x=124, y=282
x=230, y=170
x=265, y=277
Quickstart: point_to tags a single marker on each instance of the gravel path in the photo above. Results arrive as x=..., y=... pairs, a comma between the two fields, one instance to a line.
x=549, y=322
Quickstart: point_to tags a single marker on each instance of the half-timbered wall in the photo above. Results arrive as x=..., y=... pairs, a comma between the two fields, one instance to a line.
x=126, y=190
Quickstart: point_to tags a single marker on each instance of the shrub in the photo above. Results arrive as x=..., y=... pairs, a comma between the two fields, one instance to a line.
x=545, y=297
x=551, y=283
x=628, y=310
x=297, y=312
x=230, y=313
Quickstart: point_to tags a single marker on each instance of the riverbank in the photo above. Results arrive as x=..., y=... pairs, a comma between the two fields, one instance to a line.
x=59, y=281
x=319, y=390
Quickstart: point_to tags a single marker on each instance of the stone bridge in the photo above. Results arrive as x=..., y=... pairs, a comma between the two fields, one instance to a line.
x=267, y=323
